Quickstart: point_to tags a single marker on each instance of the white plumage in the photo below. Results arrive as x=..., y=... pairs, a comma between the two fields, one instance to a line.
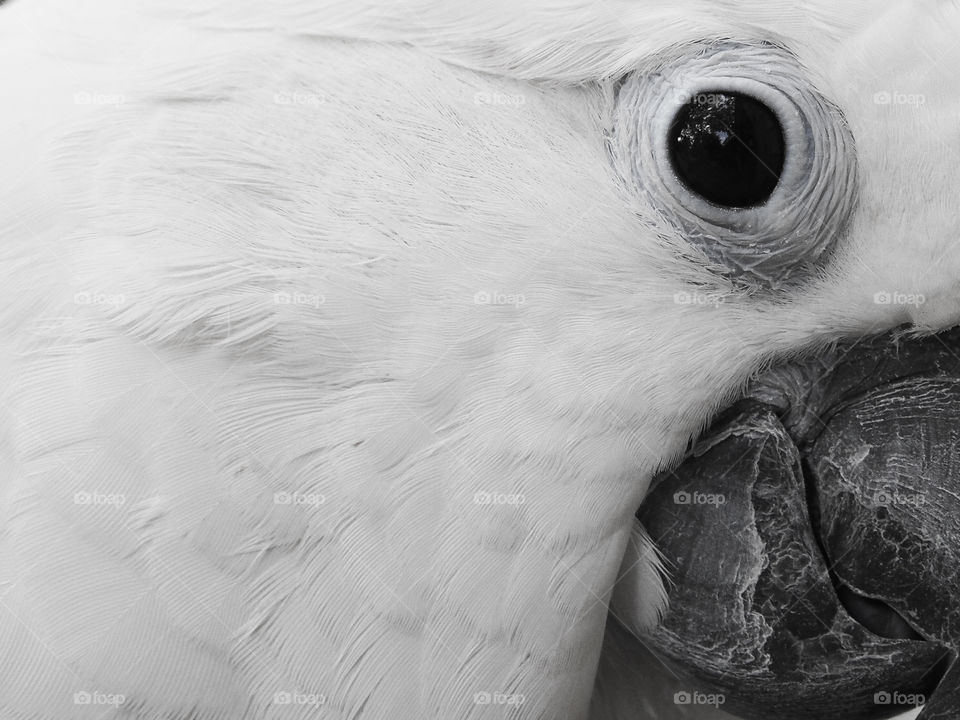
x=268, y=452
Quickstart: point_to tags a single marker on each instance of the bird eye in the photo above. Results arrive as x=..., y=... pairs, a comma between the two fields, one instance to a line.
x=727, y=147
x=740, y=157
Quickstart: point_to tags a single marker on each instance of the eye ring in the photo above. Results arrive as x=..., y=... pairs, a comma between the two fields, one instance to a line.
x=789, y=235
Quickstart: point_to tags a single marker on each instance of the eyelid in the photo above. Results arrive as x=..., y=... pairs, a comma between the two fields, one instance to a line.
x=792, y=233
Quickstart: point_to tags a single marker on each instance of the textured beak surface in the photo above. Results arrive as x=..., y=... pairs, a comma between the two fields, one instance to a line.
x=812, y=540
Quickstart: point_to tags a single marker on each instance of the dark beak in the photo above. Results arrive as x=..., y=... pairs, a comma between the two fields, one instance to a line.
x=813, y=540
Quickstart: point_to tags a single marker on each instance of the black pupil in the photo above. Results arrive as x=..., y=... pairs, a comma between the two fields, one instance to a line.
x=728, y=148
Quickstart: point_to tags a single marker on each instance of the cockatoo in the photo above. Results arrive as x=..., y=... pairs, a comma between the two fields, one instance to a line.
x=342, y=339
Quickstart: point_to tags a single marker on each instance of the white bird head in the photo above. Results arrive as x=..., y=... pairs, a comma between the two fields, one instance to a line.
x=343, y=339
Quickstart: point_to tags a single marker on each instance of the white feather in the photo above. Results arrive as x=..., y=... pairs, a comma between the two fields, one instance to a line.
x=251, y=405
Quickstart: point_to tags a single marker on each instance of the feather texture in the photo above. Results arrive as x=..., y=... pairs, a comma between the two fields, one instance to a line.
x=338, y=357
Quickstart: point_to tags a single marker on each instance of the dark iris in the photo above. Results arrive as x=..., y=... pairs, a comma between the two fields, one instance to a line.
x=728, y=148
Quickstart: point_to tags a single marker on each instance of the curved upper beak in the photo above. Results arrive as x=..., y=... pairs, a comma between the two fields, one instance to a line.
x=813, y=539
x=884, y=473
